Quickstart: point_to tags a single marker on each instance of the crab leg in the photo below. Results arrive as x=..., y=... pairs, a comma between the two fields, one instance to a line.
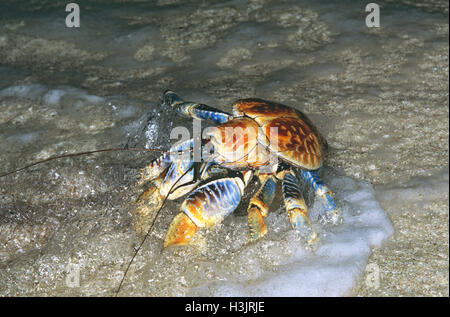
x=195, y=110
x=147, y=204
x=157, y=166
x=296, y=209
x=177, y=174
x=321, y=190
x=259, y=207
x=172, y=176
x=206, y=206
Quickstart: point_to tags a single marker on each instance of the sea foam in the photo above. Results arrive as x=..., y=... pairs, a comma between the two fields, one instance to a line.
x=339, y=260
x=51, y=96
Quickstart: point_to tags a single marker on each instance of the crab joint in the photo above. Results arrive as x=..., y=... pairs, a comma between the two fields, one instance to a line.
x=181, y=231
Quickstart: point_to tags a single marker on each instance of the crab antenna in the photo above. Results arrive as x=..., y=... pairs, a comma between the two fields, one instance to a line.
x=78, y=154
x=149, y=231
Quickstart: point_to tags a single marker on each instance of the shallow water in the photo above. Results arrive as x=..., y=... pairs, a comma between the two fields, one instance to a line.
x=380, y=96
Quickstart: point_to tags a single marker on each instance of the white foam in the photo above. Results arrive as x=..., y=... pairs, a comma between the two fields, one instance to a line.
x=420, y=189
x=51, y=96
x=151, y=135
x=30, y=91
x=126, y=111
x=23, y=137
x=339, y=260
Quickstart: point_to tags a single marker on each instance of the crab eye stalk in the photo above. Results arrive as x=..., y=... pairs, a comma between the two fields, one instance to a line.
x=171, y=99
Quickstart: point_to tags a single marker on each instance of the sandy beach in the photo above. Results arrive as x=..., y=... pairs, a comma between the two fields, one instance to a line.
x=379, y=95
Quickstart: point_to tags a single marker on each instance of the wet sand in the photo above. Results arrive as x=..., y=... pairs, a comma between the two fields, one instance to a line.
x=380, y=96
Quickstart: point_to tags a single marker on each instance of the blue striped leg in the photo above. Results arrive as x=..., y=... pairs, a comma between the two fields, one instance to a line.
x=151, y=200
x=259, y=207
x=206, y=206
x=322, y=191
x=156, y=167
x=170, y=175
x=296, y=209
x=195, y=110
x=148, y=203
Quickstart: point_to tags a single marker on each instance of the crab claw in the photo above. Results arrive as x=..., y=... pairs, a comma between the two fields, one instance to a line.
x=205, y=207
x=146, y=206
x=181, y=231
x=171, y=99
x=300, y=221
x=258, y=228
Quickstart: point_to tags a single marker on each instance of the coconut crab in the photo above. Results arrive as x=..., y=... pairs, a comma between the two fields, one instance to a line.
x=268, y=140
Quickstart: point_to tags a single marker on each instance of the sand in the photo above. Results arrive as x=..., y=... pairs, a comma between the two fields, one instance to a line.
x=380, y=96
